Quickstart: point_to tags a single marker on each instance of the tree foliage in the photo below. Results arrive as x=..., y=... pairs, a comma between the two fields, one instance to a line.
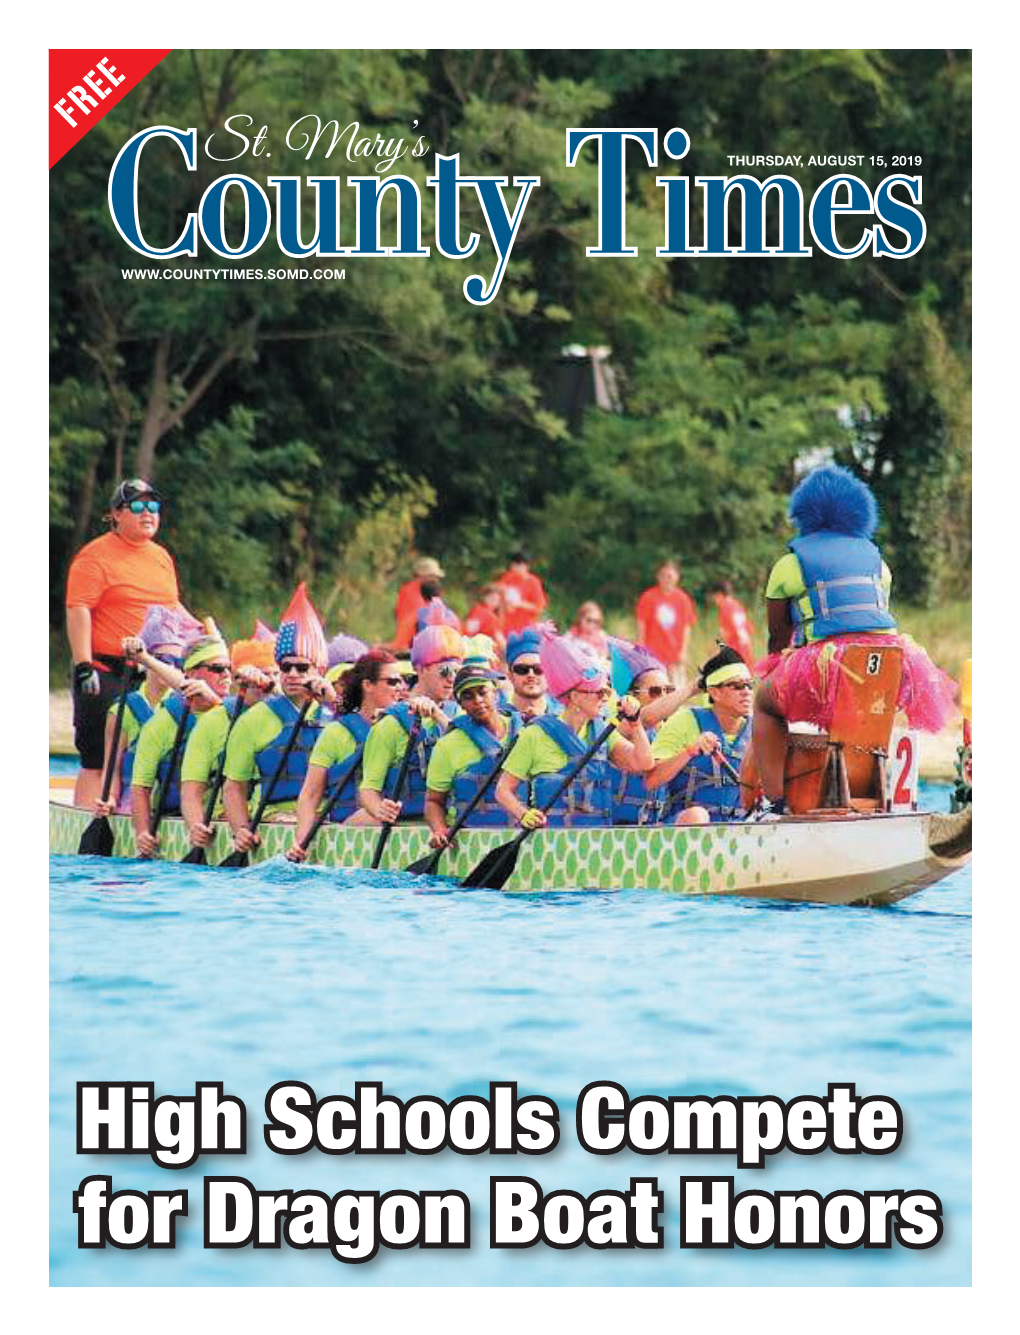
x=299, y=426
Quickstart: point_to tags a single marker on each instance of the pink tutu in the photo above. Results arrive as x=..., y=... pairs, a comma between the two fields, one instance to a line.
x=804, y=681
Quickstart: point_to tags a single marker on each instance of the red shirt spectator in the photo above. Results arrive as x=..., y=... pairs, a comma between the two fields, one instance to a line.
x=665, y=615
x=735, y=626
x=523, y=594
x=409, y=600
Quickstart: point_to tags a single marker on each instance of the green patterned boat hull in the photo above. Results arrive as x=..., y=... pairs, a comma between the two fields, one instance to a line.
x=864, y=859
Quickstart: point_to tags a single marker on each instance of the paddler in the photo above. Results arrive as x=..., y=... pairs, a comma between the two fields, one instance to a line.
x=466, y=755
x=207, y=668
x=436, y=655
x=369, y=687
x=551, y=746
x=162, y=638
x=831, y=590
x=688, y=746
x=253, y=669
x=259, y=741
x=637, y=673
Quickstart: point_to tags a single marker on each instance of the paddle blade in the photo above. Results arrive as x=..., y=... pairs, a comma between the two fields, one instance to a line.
x=97, y=838
x=196, y=857
x=494, y=870
x=425, y=866
x=235, y=860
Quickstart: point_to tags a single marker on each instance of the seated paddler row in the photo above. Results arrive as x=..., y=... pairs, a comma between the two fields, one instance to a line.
x=377, y=740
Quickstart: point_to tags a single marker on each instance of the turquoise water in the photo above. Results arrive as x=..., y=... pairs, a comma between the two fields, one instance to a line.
x=175, y=975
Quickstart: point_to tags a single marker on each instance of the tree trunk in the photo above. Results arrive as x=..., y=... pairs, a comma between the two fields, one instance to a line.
x=155, y=413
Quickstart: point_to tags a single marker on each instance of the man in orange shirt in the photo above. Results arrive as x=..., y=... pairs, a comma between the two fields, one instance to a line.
x=735, y=628
x=410, y=600
x=522, y=593
x=665, y=615
x=112, y=582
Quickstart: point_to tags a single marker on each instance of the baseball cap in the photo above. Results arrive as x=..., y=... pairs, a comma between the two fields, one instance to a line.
x=473, y=676
x=133, y=490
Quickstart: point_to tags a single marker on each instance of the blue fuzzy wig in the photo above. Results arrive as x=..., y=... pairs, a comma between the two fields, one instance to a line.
x=833, y=500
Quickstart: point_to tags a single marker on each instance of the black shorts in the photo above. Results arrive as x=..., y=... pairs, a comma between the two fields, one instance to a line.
x=90, y=713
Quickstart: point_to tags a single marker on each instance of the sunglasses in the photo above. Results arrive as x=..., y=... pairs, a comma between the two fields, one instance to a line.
x=170, y=659
x=218, y=668
x=447, y=671
x=739, y=685
x=390, y=681
x=653, y=692
x=527, y=670
x=138, y=507
x=299, y=668
x=603, y=692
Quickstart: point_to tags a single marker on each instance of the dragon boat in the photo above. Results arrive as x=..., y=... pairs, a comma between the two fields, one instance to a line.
x=838, y=858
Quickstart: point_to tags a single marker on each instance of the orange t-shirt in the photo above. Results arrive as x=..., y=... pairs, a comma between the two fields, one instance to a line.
x=482, y=620
x=666, y=618
x=409, y=599
x=517, y=589
x=118, y=581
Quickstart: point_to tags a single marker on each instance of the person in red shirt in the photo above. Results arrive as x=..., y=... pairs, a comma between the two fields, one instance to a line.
x=111, y=584
x=486, y=617
x=410, y=600
x=523, y=594
x=735, y=627
x=665, y=614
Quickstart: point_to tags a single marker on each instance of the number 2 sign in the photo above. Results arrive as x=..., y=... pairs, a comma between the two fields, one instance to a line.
x=901, y=771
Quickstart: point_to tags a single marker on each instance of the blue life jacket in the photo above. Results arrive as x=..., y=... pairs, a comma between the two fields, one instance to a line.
x=843, y=577
x=288, y=785
x=633, y=804
x=174, y=706
x=413, y=799
x=702, y=781
x=553, y=709
x=142, y=711
x=589, y=799
x=468, y=781
x=347, y=803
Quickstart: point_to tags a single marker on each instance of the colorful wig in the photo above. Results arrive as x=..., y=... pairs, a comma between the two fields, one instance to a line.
x=435, y=644
x=301, y=634
x=629, y=661
x=522, y=642
x=344, y=649
x=568, y=664
x=832, y=500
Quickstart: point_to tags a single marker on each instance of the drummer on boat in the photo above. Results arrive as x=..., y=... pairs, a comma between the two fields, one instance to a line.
x=689, y=747
x=367, y=689
x=437, y=653
x=464, y=758
x=273, y=733
x=830, y=591
x=207, y=667
x=551, y=746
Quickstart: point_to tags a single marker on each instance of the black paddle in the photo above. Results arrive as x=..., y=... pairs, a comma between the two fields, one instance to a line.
x=496, y=868
x=331, y=802
x=174, y=754
x=97, y=837
x=398, y=788
x=240, y=859
x=426, y=866
x=197, y=855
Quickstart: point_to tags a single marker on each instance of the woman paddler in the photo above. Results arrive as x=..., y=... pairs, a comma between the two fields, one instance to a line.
x=368, y=688
x=637, y=672
x=688, y=746
x=207, y=667
x=259, y=742
x=162, y=637
x=465, y=757
x=550, y=746
x=831, y=590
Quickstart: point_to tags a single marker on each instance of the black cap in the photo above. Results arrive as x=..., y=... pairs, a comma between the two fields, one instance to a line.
x=133, y=490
